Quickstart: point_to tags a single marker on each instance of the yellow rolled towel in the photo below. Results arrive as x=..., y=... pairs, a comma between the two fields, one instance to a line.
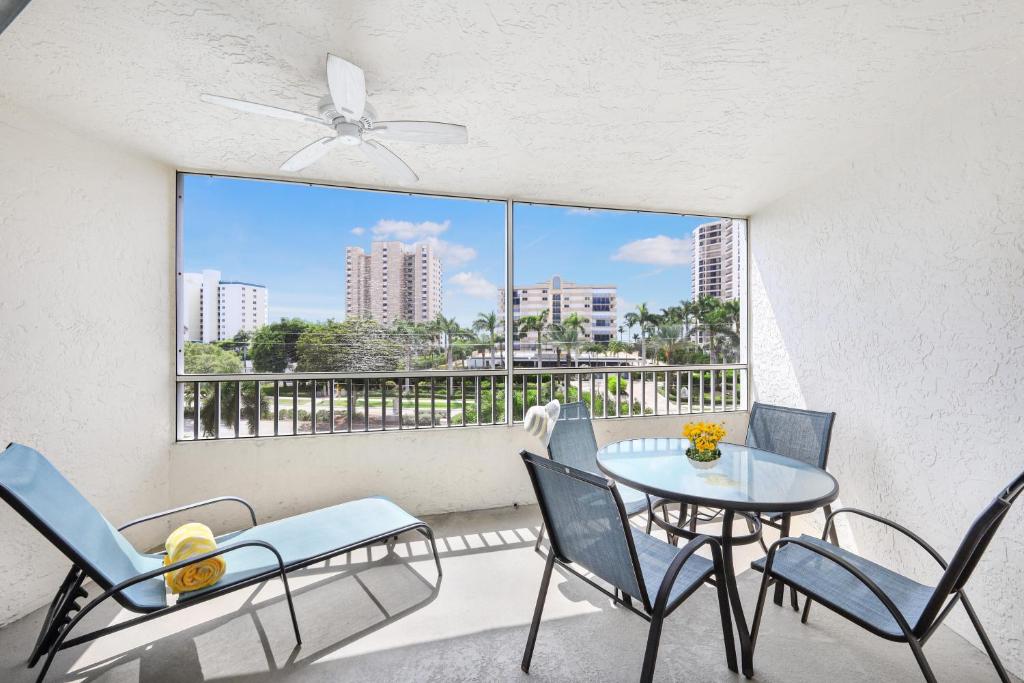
x=188, y=541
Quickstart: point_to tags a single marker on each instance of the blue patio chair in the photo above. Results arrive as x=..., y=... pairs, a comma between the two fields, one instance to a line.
x=882, y=601
x=573, y=443
x=99, y=551
x=589, y=528
x=803, y=435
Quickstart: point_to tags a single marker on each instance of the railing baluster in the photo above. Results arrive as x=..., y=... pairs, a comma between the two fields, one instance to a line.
x=462, y=397
x=312, y=407
x=416, y=401
x=216, y=410
x=448, y=385
x=238, y=409
x=655, y=377
x=401, y=400
x=433, y=394
x=494, y=394
x=476, y=402
x=348, y=405
x=643, y=392
x=383, y=405
x=330, y=390
x=702, y=391
x=618, y=394
x=195, y=411
x=679, y=389
x=711, y=381
x=366, y=405
x=277, y=406
x=630, y=394
x=604, y=392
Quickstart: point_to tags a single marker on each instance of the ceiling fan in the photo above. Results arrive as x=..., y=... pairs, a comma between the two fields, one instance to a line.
x=353, y=123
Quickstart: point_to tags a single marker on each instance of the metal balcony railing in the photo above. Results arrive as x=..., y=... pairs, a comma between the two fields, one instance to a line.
x=291, y=404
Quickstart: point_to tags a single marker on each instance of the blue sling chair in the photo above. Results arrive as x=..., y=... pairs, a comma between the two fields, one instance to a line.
x=885, y=603
x=98, y=551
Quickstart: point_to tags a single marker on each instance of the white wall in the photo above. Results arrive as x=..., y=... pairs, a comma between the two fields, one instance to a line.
x=86, y=330
x=892, y=291
x=427, y=471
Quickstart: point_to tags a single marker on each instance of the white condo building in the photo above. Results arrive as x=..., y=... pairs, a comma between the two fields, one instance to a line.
x=216, y=309
x=561, y=298
x=393, y=282
x=717, y=259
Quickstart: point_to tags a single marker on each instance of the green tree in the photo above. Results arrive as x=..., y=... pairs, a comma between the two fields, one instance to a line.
x=534, y=323
x=645, y=319
x=272, y=348
x=563, y=338
x=488, y=322
x=449, y=331
x=716, y=325
x=356, y=345
x=210, y=359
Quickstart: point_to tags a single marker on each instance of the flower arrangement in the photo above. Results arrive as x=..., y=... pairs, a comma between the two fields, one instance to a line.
x=703, y=438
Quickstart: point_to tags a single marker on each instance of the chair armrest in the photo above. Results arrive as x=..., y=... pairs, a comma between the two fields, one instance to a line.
x=190, y=506
x=160, y=571
x=889, y=523
x=844, y=564
x=672, y=573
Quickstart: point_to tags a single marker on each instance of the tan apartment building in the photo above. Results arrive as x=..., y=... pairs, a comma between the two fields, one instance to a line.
x=393, y=282
x=717, y=259
x=561, y=298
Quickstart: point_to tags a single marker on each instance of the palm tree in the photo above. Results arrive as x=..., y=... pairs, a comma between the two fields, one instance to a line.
x=622, y=331
x=576, y=324
x=534, y=323
x=669, y=337
x=449, y=331
x=487, y=322
x=563, y=337
x=717, y=321
x=643, y=318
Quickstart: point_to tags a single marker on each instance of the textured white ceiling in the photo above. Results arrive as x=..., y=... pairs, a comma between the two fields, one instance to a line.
x=717, y=107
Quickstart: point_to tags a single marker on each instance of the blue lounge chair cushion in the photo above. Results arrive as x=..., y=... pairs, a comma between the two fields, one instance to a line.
x=312, y=534
x=822, y=578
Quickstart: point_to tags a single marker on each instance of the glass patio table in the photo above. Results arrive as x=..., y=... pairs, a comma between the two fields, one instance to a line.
x=744, y=481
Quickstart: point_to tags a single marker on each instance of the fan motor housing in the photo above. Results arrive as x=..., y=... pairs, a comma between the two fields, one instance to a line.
x=348, y=133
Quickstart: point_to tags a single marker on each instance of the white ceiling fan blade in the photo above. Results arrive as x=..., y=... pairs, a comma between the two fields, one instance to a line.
x=388, y=162
x=264, y=109
x=309, y=154
x=347, y=84
x=421, y=131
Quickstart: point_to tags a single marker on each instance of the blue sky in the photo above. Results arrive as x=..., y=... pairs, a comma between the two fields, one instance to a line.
x=291, y=238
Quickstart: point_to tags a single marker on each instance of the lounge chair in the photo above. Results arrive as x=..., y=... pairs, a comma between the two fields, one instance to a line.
x=98, y=550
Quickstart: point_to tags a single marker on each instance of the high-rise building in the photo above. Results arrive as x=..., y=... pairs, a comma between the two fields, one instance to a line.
x=393, y=282
x=718, y=259
x=216, y=309
x=561, y=298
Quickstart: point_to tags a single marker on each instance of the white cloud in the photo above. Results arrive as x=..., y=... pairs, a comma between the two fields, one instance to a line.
x=474, y=285
x=452, y=254
x=407, y=230
x=659, y=251
x=358, y=231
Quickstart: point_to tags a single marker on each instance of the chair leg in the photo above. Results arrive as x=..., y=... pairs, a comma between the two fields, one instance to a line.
x=653, y=641
x=540, y=537
x=537, y=611
x=650, y=521
x=922, y=662
x=429, y=533
x=996, y=663
x=807, y=609
x=832, y=535
x=793, y=599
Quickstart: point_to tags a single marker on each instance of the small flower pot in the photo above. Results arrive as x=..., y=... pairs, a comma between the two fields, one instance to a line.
x=703, y=461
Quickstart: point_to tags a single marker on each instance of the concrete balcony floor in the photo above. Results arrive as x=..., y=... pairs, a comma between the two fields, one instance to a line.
x=384, y=620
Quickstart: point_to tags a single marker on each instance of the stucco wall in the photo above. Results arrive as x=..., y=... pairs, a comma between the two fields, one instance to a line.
x=429, y=471
x=892, y=291
x=86, y=325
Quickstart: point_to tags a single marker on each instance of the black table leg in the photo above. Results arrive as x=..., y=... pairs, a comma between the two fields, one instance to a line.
x=780, y=588
x=746, y=651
